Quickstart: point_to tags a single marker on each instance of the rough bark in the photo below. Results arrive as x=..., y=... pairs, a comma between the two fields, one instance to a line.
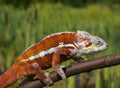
x=84, y=66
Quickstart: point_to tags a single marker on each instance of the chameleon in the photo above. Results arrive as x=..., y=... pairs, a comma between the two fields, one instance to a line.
x=51, y=51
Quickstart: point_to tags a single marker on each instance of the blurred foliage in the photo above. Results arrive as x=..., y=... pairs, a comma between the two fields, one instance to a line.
x=19, y=28
x=74, y=3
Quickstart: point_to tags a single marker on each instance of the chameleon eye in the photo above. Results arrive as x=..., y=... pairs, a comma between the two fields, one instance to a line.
x=98, y=43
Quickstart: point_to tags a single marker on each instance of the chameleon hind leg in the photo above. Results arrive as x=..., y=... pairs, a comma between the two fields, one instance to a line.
x=57, y=59
x=41, y=75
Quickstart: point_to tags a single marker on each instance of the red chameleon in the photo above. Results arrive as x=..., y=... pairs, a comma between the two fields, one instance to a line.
x=50, y=52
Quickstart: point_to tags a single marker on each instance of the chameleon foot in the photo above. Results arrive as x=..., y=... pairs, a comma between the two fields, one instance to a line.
x=41, y=75
x=61, y=72
x=48, y=81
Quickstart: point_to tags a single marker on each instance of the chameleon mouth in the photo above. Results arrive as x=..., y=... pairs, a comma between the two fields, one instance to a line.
x=94, y=48
x=91, y=48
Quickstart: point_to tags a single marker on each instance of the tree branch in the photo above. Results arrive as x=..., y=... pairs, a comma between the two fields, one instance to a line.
x=77, y=68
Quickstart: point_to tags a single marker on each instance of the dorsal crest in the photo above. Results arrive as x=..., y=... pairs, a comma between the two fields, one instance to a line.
x=55, y=34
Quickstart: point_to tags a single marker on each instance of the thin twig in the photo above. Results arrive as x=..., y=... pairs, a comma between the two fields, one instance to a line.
x=77, y=68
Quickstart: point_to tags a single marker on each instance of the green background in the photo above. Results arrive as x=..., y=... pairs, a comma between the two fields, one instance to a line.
x=24, y=22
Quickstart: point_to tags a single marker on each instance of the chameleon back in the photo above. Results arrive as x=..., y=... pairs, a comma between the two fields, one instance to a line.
x=44, y=45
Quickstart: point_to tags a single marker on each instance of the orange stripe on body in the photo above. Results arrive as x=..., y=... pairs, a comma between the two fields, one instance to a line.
x=47, y=43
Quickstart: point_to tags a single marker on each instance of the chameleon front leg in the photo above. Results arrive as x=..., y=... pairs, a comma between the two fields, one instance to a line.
x=41, y=75
x=57, y=59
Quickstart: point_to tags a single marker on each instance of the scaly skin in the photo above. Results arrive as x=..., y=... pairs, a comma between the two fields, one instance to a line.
x=50, y=52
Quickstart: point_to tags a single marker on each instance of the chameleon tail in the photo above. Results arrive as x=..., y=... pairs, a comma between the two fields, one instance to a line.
x=8, y=78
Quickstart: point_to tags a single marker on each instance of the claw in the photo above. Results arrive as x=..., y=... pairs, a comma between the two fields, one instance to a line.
x=48, y=81
x=47, y=74
x=61, y=73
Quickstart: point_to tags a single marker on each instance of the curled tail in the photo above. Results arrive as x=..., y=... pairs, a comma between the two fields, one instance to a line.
x=8, y=78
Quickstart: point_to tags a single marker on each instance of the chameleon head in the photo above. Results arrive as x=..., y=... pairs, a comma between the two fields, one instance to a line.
x=97, y=44
x=87, y=44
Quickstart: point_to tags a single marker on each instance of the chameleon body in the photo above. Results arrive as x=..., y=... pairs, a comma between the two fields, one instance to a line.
x=50, y=52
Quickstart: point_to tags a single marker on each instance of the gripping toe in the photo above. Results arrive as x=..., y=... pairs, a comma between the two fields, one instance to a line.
x=48, y=81
x=61, y=73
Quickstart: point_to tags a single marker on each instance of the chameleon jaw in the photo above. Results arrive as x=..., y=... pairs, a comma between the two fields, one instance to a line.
x=94, y=49
x=90, y=48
